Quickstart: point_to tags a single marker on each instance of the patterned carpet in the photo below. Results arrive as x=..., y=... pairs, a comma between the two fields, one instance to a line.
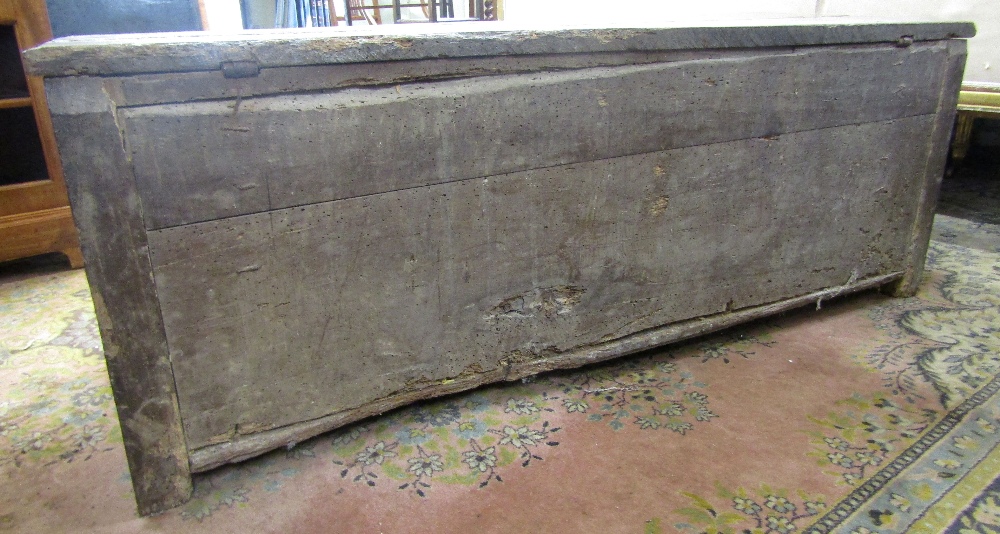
x=869, y=415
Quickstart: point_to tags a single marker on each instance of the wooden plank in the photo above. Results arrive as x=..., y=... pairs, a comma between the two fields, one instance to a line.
x=183, y=52
x=108, y=212
x=251, y=155
x=166, y=88
x=26, y=197
x=390, y=293
x=933, y=172
x=247, y=446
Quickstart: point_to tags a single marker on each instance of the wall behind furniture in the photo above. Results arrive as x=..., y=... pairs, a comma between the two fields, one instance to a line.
x=654, y=12
x=222, y=15
x=82, y=17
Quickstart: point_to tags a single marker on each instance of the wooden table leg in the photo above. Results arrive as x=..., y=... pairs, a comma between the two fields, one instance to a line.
x=75, y=257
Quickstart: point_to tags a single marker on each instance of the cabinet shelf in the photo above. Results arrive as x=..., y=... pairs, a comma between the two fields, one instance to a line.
x=22, y=158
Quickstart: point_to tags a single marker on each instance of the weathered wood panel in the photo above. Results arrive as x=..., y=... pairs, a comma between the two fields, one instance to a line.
x=930, y=185
x=392, y=292
x=108, y=213
x=244, y=446
x=166, y=88
x=301, y=149
x=186, y=52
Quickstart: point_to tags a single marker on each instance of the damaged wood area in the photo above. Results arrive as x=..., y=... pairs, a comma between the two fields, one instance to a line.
x=242, y=447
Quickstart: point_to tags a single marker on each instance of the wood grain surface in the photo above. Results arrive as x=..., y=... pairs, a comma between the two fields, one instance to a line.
x=108, y=213
x=382, y=293
x=301, y=149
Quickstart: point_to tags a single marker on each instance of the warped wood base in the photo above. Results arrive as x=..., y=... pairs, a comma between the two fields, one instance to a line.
x=244, y=447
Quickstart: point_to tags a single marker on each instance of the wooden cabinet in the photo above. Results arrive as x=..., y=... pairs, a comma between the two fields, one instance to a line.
x=34, y=208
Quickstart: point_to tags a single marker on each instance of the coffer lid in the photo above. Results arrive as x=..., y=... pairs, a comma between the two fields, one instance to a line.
x=201, y=51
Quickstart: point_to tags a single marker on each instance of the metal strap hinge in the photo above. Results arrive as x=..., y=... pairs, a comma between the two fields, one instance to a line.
x=240, y=69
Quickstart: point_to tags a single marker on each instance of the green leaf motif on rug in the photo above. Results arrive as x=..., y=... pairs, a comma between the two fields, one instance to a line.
x=765, y=510
x=955, y=328
x=852, y=443
x=970, y=352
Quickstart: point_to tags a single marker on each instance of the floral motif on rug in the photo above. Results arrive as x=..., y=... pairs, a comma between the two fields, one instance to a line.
x=472, y=439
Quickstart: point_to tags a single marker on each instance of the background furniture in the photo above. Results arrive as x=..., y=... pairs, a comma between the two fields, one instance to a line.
x=977, y=100
x=34, y=209
x=89, y=17
x=320, y=13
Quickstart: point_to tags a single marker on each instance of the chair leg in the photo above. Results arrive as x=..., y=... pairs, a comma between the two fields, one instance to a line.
x=963, y=137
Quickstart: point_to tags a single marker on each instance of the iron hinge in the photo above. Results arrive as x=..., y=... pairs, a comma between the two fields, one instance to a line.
x=240, y=69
